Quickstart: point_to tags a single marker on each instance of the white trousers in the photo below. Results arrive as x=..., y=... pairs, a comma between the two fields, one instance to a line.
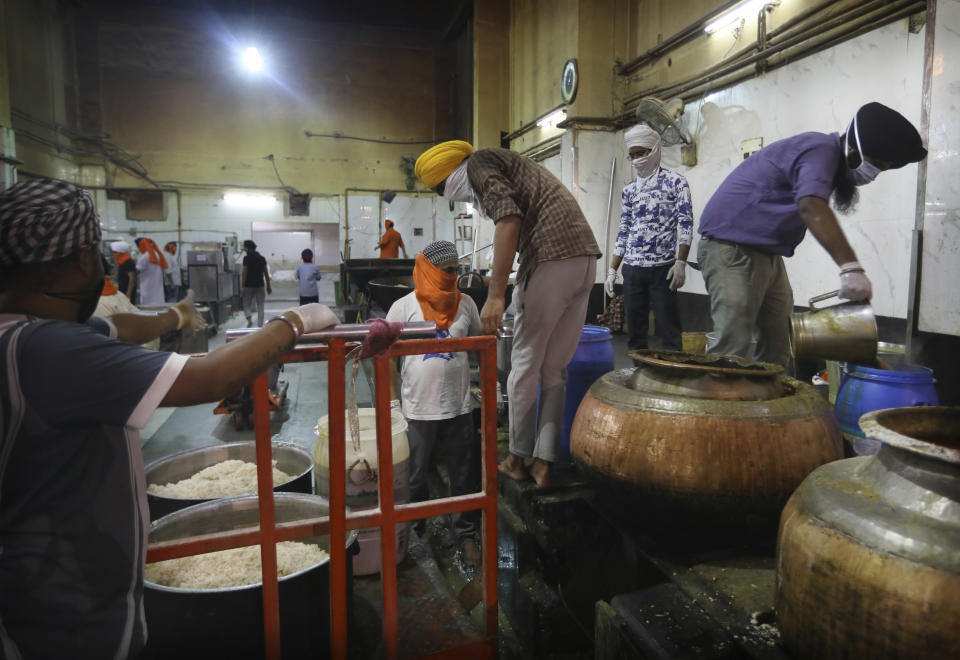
x=551, y=310
x=251, y=295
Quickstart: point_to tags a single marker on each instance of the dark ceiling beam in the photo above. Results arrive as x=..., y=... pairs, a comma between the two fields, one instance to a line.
x=462, y=14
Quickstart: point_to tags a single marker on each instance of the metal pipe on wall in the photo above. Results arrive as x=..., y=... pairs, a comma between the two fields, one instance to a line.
x=606, y=231
x=677, y=39
x=916, y=244
x=837, y=31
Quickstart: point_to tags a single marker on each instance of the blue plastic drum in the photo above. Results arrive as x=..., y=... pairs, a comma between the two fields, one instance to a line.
x=866, y=388
x=594, y=357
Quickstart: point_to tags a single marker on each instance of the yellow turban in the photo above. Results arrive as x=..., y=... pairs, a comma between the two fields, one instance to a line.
x=436, y=163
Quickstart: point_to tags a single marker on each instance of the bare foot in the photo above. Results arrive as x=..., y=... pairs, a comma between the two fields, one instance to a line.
x=512, y=466
x=540, y=471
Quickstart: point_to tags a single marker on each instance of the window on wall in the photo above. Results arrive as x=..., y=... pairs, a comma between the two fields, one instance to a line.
x=299, y=204
x=145, y=205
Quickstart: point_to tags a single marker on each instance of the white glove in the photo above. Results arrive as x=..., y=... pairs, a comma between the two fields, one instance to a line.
x=677, y=274
x=611, y=280
x=314, y=317
x=187, y=314
x=854, y=283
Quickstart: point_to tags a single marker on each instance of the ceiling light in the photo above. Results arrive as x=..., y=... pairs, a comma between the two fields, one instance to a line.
x=734, y=14
x=251, y=60
x=249, y=199
x=553, y=118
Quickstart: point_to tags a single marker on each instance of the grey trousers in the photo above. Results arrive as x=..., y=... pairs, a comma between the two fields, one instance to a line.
x=551, y=309
x=454, y=443
x=750, y=295
x=249, y=294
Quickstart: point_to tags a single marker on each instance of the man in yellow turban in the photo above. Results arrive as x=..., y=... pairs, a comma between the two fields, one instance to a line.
x=537, y=216
x=436, y=163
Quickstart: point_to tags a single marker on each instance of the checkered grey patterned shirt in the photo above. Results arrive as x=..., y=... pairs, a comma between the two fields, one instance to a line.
x=552, y=226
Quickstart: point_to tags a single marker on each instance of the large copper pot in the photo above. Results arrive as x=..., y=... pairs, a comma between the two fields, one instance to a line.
x=702, y=440
x=868, y=557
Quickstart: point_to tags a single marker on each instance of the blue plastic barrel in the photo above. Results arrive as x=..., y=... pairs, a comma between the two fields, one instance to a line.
x=866, y=388
x=594, y=357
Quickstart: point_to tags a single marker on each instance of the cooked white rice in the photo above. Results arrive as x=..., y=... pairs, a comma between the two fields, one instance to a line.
x=232, y=477
x=231, y=568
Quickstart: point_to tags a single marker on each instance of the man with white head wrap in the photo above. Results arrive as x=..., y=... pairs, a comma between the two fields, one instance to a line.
x=126, y=268
x=656, y=223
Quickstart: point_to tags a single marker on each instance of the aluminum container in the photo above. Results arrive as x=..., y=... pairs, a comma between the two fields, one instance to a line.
x=868, y=556
x=228, y=623
x=291, y=459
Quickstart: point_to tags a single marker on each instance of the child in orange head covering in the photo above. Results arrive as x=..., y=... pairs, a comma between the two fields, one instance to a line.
x=435, y=388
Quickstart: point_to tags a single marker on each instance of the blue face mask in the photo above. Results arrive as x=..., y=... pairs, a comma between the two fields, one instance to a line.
x=866, y=171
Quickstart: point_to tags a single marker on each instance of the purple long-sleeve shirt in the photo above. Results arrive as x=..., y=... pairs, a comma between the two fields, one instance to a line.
x=756, y=204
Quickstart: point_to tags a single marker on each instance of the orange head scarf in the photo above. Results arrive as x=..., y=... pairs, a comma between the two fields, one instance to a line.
x=109, y=288
x=121, y=257
x=436, y=292
x=156, y=257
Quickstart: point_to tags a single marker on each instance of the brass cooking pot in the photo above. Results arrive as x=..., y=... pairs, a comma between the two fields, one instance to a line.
x=703, y=440
x=868, y=555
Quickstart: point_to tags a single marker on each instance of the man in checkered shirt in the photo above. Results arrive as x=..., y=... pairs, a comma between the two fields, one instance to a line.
x=656, y=223
x=536, y=216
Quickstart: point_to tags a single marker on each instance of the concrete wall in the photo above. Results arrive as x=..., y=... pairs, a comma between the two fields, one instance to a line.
x=172, y=91
x=543, y=35
x=939, y=308
x=42, y=86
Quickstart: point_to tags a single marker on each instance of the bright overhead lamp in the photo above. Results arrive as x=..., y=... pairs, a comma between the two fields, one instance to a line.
x=249, y=199
x=734, y=14
x=251, y=60
x=553, y=118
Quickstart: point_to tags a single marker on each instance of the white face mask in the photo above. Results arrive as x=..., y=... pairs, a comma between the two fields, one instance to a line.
x=647, y=165
x=457, y=185
x=866, y=171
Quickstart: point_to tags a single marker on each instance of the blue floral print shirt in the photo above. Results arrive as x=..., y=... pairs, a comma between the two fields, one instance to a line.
x=655, y=214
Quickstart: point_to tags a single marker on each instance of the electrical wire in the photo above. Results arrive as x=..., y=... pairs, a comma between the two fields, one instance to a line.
x=289, y=189
x=340, y=136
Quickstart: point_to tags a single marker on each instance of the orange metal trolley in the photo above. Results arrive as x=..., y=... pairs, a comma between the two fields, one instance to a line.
x=386, y=516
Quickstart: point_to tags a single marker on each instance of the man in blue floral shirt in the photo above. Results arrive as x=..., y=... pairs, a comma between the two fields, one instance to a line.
x=656, y=222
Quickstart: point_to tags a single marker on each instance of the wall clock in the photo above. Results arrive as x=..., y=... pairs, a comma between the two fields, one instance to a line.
x=568, y=81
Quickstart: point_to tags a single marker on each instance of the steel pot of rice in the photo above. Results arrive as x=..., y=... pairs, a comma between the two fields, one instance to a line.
x=225, y=470
x=211, y=613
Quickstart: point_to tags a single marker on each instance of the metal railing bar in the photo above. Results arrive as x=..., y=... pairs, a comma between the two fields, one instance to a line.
x=388, y=544
x=336, y=387
x=317, y=526
x=268, y=547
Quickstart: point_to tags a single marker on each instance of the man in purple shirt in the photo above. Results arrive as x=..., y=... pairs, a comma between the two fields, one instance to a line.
x=762, y=211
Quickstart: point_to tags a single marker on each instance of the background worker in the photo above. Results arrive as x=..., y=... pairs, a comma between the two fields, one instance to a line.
x=308, y=275
x=656, y=223
x=126, y=269
x=73, y=520
x=114, y=307
x=151, y=265
x=390, y=242
x=537, y=216
x=253, y=277
x=762, y=211
x=173, y=278
x=436, y=389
